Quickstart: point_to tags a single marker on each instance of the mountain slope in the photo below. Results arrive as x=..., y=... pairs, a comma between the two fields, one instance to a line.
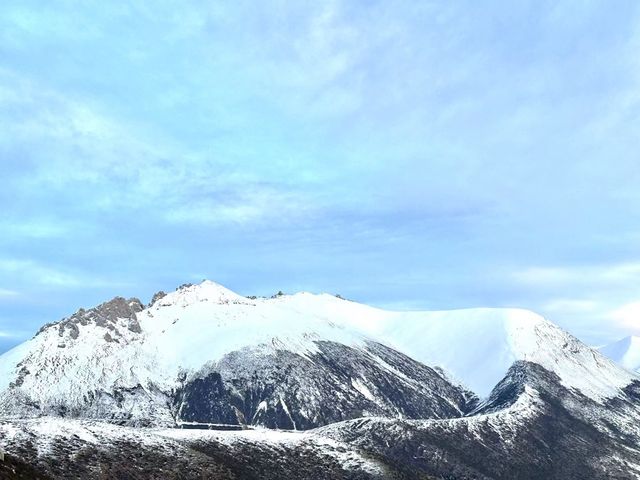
x=281, y=389
x=157, y=364
x=530, y=427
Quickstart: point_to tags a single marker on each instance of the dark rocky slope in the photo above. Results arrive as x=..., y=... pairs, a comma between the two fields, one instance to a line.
x=281, y=389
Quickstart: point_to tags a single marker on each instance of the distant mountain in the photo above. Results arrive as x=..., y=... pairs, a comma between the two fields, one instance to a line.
x=626, y=352
x=378, y=394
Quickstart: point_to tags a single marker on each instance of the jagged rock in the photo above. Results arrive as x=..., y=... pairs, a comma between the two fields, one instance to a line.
x=156, y=296
x=105, y=315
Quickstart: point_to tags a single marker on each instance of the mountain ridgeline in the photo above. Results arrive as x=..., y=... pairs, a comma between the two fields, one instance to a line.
x=106, y=363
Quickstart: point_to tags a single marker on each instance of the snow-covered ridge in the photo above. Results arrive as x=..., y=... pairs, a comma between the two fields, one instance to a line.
x=478, y=346
x=198, y=324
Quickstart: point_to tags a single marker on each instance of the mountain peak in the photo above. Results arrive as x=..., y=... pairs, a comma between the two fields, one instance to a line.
x=206, y=291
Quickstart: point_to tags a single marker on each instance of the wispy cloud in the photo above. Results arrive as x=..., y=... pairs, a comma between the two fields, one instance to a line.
x=13, y=336
x=605, y=303
x=35, y=273
x=83, y=152
x=627, y=316
x=255, y=205
x=37, y=228
x=564, y=305
x=39, y=274
x=589, y=274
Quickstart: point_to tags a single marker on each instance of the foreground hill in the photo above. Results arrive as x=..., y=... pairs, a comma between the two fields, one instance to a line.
x=73, y=449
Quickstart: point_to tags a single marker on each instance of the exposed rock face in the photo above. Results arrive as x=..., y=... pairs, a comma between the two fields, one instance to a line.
x=105, y=315
x=13, y=468
x=81, y=349
x=156, y=296
x=280, y=389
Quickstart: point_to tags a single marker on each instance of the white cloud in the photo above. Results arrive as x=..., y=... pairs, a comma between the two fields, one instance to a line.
x=571, y=305
x=546, y=275
x=6, y=293
x=597, y=302
x=13, y=334
x=125, y=165
x=627, y=316
x=252, y=206
x=39, y=274
x=555, y=276
x=34, y=228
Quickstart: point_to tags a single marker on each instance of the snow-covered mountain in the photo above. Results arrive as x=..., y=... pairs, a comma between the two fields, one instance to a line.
x=155, y=363
x=205, y=354
x=159, y=363
x=625, y=351
x=390, y=392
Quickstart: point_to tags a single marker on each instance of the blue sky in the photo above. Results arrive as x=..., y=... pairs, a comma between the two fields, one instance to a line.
x=405, y=154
